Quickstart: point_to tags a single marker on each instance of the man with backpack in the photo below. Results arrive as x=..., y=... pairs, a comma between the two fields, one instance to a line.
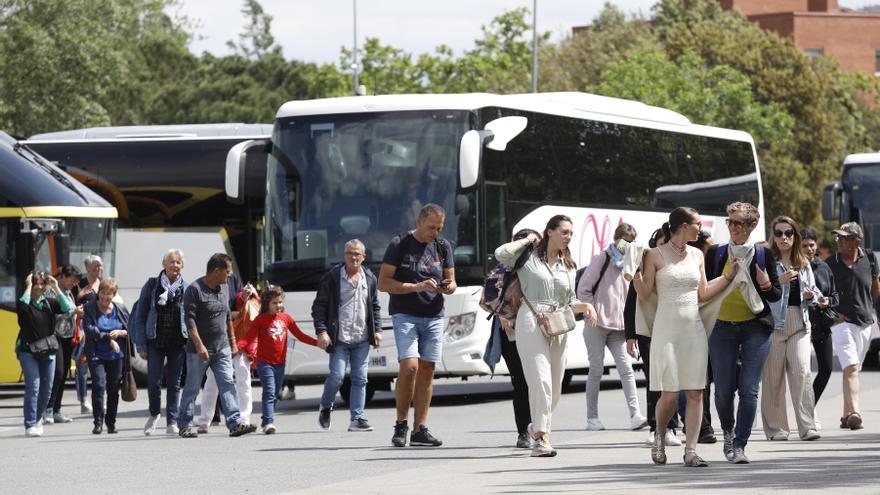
x=740, y=334
x=416, y=271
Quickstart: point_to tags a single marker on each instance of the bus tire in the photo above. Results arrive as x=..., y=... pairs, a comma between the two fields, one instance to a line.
x=566, y=379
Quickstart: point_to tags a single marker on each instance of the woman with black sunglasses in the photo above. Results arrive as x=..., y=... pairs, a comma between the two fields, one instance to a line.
x=789, y=356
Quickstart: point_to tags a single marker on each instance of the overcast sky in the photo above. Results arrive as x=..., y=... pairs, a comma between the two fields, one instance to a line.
x=314, y=31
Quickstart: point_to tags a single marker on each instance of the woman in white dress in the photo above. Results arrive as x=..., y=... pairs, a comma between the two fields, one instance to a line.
x=680, y=347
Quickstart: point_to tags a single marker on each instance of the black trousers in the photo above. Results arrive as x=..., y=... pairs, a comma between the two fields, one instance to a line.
x=824, y=360
x=521, y=412
x=62, y=371
x=106, y=377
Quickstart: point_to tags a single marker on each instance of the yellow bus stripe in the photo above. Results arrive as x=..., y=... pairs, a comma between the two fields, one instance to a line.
x=59, y=211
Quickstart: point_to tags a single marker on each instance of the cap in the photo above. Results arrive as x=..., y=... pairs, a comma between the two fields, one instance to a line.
x=850, y=229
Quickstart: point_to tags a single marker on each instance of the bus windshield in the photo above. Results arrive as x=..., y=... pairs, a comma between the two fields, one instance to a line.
x=862, y=182
x=333, y=178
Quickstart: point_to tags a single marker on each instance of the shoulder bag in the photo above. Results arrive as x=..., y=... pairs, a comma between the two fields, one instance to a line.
x=557, y=322
x=129, y=386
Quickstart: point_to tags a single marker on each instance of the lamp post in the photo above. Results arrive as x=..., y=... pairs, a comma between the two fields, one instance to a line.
x=355, y=52
x=534, y=46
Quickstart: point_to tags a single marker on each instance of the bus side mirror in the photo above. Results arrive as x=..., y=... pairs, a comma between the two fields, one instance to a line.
x=61, y=245
x=830, y=199
x=498, y=133
x=236, y=160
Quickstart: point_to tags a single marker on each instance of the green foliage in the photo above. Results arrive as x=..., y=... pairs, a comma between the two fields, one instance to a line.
x=577, y=62
x=257, y=40
x=718, y=96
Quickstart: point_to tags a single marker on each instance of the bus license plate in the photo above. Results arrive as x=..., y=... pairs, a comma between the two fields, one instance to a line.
x=378, y=361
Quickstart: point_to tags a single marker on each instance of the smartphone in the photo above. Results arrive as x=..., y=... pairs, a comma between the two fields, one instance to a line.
x=444, y=283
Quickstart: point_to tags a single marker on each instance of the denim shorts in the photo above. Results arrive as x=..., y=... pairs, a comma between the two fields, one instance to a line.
x=418, y=337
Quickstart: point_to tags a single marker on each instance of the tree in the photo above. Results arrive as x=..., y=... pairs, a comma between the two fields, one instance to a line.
x=256, y=41
x=577, y=62
x=718, y=96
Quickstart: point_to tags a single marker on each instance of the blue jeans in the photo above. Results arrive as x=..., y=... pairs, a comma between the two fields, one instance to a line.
x=749, y=342
x=418, y=337
x=220, y=363
x=38, y=377
x=354, y=355
x=272, y=379
x=106, y=377
x=156, y=358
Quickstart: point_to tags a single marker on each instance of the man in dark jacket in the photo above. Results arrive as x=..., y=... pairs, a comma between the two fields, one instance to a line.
x=346, y=316
x=739, y=334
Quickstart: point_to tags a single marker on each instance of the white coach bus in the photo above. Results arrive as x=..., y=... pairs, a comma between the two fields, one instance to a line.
x=360, y=167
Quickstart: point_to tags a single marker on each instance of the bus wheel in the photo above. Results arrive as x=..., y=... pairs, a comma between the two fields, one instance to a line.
x=345, y=390
x=566, y=379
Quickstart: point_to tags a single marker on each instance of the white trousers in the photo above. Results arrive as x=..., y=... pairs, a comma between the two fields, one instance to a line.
x=543, y=363
x=241, y=366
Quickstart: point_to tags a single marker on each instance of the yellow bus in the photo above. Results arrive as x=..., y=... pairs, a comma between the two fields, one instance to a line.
x=47, y=219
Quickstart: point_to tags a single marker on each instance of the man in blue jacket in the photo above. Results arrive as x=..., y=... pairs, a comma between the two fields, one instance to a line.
x=346, y=316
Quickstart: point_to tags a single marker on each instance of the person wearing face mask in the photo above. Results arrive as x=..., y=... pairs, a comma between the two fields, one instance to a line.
x=604, y=286
x=820, y=333
x=789, y=356
x=741, y=334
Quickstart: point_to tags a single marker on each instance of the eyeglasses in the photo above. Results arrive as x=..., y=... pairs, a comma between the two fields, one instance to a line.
x=784, y=233
x=737, y=223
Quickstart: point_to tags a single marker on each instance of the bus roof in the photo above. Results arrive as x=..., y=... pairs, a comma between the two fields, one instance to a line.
x=858, y=158
x=32, y=182
x=158, y=133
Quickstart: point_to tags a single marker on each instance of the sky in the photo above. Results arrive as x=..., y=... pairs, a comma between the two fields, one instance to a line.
x=314, y=31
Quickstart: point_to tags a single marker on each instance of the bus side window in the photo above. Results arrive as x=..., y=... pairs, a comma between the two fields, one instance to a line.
x=497, y=229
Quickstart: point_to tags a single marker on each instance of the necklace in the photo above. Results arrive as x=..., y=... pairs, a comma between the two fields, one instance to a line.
x=679, y=249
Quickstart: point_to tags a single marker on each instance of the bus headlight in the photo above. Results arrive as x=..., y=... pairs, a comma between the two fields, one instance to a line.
x=459, y=327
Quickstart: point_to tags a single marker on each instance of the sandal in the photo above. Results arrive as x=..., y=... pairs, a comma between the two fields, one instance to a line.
x=691, y=459
x=658, y=449
x=854, y=421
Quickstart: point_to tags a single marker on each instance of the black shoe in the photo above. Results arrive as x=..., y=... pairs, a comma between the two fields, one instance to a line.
x=324, y=417
x=98, y=429
x=188, y=433
x=111, y=429
x=242, y=429
x=707, y=436
x=400, y=430
x=424, y=438
x=523, y=441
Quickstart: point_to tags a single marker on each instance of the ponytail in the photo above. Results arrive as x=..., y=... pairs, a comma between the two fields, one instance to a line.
x=667, y=232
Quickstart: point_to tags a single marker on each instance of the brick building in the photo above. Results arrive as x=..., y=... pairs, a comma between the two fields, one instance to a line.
x=819, y=27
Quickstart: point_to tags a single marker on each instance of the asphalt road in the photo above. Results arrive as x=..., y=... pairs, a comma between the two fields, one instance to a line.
x=475, y=421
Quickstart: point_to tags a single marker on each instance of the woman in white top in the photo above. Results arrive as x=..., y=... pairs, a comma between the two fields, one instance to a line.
x=547, y=282
x=680, y=345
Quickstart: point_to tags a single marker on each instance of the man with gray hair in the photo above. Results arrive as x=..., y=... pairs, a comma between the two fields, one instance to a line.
x=159, y=333
x=346, y=316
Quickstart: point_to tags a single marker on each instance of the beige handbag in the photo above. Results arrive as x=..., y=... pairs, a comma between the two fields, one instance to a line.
x=553, y=323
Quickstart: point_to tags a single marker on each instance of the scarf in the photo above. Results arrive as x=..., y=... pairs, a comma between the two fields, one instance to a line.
x=172, y=291
x=616, y=255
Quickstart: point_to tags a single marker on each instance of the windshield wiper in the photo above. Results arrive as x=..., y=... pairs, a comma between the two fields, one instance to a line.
x=35, y=158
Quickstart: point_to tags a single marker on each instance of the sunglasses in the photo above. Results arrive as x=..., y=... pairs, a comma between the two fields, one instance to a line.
x=784, y=233
x=737, y=223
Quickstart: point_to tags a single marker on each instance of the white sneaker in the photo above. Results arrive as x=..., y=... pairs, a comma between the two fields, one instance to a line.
x=33, y=431
x=638, y=422
x=671, y=440
x=203, y=429
x=48, y=418
x=172, y=429
x=594, y=424
x=85, y=408
x=269, y=429
x=40, y=429
x=649, y=442
x=150, y=425
x=816, y=421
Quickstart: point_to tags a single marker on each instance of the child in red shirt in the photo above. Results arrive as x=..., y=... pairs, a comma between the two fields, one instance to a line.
x=270, y=331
